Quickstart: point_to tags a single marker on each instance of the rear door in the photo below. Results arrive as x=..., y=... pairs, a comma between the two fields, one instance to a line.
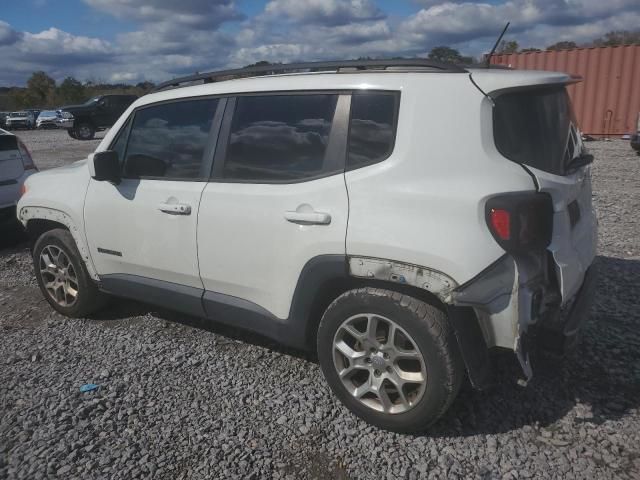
x=536, y=128
x=277, y=199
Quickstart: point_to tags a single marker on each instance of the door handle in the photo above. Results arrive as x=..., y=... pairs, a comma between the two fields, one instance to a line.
x=308, y=218
x=175, y=208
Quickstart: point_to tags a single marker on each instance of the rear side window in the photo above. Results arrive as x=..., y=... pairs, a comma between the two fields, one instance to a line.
x=372, y=128
x=279, y=137
x=169, y=140
x=536, y=127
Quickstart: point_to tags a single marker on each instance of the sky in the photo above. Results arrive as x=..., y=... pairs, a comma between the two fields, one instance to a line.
x=136, y=40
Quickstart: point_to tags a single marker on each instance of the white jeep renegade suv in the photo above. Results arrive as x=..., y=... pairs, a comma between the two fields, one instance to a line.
x=400, y=217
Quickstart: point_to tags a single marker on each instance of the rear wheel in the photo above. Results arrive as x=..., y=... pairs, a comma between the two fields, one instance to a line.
x=63, y=277
x=71, y=133
x=84, y=131
x=390, y=358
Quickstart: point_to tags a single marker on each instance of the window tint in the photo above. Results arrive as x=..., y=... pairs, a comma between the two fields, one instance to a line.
x=533, y=127
x=120, y=142
x=372, y=128
x=168, y=140
x=279, y=137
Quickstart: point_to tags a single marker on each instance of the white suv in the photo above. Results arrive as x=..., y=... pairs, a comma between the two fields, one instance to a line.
x=400, y=217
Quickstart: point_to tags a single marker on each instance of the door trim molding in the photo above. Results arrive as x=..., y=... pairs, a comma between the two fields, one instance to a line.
x=318, y=276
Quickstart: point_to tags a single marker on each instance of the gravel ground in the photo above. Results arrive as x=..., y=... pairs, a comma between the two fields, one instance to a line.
x=54, y=148
x=179, y=399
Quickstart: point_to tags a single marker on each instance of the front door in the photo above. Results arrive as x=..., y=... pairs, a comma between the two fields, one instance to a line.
x=277, y=200
x=142, y=232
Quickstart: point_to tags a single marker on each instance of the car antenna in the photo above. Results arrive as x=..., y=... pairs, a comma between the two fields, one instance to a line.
x=488, y=59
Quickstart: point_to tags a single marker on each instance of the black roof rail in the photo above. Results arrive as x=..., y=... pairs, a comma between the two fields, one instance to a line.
x=280, y=68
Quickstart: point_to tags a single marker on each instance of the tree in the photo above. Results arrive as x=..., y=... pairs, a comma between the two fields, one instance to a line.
x=508, y=46
x=562, y=46
x=445, y=54
x=261, y=63
x=40, y=88
x=146, y=86
x=618, y=37
x=70, y=91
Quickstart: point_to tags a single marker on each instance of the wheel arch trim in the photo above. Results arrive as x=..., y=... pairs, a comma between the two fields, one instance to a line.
x=29, y=213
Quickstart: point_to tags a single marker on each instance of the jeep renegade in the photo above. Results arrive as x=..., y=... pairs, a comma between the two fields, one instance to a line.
x=336, y=206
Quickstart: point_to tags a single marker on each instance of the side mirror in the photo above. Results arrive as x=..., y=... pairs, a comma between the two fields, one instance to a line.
x=106, y=166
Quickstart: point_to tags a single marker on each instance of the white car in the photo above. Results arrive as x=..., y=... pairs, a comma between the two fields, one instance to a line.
x=24, y=119
x=16, y=165
x=48, y=119
x=340, y=210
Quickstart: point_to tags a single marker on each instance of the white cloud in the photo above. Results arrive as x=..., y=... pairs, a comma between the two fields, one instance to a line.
x=324, y=12
x=196, y=14
x=174, y=38
x=8, y=36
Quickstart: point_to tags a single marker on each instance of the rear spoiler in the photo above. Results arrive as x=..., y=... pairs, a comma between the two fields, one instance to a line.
x=574, y=79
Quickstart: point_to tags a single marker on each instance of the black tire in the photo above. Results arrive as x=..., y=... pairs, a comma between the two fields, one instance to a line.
x=429, y=328
x=71, y=133
x=89, y=299
x=84, y=131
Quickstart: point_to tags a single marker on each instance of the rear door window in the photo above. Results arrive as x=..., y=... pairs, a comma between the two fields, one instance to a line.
x=536, y=127
x=372, y=128
x=279, y=138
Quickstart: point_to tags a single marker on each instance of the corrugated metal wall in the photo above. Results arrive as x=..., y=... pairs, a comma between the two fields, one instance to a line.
x=607, y=101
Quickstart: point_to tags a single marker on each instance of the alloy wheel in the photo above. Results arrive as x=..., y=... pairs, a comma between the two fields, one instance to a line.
x=58, y=276
x=379, y=363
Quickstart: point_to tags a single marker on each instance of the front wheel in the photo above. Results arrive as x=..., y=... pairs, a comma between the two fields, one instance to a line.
x=62, y=275
x=390, y=358
x=84, y=131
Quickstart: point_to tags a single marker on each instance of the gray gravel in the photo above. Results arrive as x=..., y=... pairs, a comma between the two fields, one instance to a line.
x=179, y=399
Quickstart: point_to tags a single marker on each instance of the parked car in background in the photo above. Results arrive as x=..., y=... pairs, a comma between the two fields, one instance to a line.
x=22, y=119
x=48, y=119
x=16, y=165
x=3, y=119
x=635, y=138
x=98, y=113
x=34, y=111
x=339, y=211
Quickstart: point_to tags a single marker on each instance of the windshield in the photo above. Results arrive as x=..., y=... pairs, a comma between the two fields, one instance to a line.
x=48, y=113
x=536, y=127
x=92, y=100
x=19, y=114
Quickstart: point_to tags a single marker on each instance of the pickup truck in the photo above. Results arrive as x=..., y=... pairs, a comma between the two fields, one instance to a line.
x=83, y=121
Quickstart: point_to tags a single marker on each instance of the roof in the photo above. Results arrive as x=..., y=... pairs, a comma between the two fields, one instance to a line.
x=338, y=66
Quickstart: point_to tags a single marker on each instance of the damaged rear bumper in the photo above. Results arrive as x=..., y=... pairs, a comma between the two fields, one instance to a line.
x=559, y=332
x=518, y=306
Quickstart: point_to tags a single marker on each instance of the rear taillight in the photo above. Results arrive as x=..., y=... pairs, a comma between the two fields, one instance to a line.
x=520, y=222
x=501, y=223
x=27, y=161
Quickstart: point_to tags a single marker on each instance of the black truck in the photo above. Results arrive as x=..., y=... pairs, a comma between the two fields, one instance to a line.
x=83, y=121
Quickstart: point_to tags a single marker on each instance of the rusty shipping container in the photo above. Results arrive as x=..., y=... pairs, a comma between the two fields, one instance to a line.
x=607, y=101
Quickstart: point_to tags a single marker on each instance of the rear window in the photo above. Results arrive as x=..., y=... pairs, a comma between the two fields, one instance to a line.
x=536, y=127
